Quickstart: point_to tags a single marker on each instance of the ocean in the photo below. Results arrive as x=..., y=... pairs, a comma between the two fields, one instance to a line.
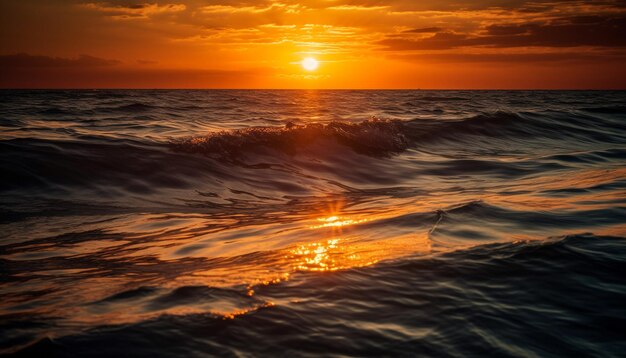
x=303, y=223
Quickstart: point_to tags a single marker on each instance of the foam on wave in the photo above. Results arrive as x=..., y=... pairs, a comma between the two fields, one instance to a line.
x=381, y=138
x=372, y=137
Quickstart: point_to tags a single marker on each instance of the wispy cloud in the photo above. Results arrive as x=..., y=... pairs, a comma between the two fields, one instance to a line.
x=136, y=11
x=230, y=9
x=601, y=31
x=24, y=60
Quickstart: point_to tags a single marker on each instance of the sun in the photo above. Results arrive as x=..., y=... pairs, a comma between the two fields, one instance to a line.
x=310, y=64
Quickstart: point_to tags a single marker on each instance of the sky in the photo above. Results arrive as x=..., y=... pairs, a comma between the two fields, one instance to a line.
x=446, y=44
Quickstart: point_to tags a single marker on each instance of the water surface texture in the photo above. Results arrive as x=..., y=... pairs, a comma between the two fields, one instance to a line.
x=306, y=223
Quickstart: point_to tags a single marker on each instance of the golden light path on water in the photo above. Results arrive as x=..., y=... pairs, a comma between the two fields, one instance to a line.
x=337, y=253
x=193, y=255
x=244, y=257
x=336, y=221
x=321, y=243
x=327, y=255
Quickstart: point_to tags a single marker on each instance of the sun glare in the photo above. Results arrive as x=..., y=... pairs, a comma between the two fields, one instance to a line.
x=310, y=64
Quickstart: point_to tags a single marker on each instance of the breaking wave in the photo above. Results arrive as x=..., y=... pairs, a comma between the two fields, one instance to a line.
x=372, y=137
x=378, y=137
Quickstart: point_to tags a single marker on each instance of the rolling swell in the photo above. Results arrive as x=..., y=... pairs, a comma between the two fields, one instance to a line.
x=527, y=298
x=528, y=126
x=386, y=137
x=151, y=223
x=142, y=167
x=136, y=167
x=375, y=137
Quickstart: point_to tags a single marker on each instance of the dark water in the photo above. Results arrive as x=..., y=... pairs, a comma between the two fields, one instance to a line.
x=306, y=223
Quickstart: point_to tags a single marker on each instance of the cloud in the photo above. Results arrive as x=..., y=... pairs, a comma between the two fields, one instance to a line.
x=134, y=11
x=516, y=58
x=438, y=41
x=325, y=39
x=23, y=60
x=562, y=32
x=478, y=5
x=230, y=9
x=128, y=77
x=598, y=31
x=357, y=8
x=424, y=30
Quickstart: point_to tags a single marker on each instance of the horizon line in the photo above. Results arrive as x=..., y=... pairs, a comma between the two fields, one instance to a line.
x=296, y=89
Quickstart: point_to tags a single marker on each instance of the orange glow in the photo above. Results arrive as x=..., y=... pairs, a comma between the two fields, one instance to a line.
x=327, y=256
x=336, y=221
x=339, y=254
x=403, y=44
x=316, y=256
x=318, y=241
x=240, y=312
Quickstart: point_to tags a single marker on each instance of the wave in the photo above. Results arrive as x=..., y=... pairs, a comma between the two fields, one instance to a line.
x=489, y=299
x=440, y=99
x=606, y=109
x=372, y=137
x=529, y=126
x=136, y=107
x=480, y=211
x=143, y=167
x=36, y=163
x=57, y=111
x=444, y=227
x=387, y=137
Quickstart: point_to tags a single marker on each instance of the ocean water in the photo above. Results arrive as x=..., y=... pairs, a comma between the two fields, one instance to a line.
x=313, y=223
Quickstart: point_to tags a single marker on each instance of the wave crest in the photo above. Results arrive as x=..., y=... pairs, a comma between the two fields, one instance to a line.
x=372, y=137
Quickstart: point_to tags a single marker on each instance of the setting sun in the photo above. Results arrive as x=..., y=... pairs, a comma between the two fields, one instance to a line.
x=310, y=64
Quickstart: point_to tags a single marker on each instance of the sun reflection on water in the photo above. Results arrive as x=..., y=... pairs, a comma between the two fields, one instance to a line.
x=336, y=221
x=329, y=248
x=240, y=312
x=327, y=255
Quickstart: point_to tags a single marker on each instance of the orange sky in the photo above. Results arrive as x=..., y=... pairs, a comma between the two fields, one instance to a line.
x=359, y=44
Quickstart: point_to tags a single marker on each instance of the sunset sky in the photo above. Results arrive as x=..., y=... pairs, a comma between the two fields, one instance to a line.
x=358, y=43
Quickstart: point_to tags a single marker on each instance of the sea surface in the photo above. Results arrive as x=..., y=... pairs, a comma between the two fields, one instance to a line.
x=158, y=223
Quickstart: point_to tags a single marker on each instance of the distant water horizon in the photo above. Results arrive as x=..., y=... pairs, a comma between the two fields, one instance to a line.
x=599, y=89
x=312, y=222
